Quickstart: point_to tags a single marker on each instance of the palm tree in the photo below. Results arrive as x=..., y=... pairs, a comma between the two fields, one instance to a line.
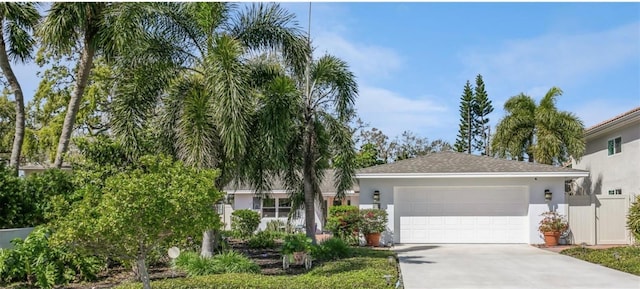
x=17, y=20
x=194, y=86
x=90, y=28
x=543, y=133
x=321, y=137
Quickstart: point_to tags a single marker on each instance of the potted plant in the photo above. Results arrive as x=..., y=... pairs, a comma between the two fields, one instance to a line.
x=372, y=223
x=552, y=226
x=297, y=245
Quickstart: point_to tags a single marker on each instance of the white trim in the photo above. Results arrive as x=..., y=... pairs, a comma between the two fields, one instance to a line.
x=576, y=174
x=252, y=192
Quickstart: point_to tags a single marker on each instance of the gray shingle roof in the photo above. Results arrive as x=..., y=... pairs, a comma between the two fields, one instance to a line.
x=325, y=187
x=454, y=162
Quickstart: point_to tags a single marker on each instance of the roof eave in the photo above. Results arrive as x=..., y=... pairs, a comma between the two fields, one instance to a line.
x=574, y=174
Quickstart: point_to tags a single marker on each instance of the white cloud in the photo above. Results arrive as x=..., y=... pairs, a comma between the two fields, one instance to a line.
x=366, y=61
x=551, y=59
x=393, y=113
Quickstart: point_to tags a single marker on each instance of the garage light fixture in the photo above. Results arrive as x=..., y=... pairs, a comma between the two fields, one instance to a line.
x=547, y=195
x=376, y=199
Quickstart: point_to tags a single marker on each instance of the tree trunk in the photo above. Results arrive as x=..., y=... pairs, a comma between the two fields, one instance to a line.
x=208, y=243
x=307, y=179
x=142, y=272
x=86, y=62
x=18, y=138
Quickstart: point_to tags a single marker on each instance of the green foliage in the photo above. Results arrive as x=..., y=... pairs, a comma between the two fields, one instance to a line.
x=29, y=202
x=331, y=249
x=279, y=228
x=227, y=262
x=553, y=222
x=245, y=222
x=633, y=219
x=372, y=221
x=296, y=243
x=368, y=156
x=362, y=272
x=343, y=221
x=262, y=240
x=626, y=259
x=160, y=203
x=7, y=124
x=36, y=260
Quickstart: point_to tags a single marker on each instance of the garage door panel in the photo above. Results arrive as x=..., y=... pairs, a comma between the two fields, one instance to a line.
x=462, y=215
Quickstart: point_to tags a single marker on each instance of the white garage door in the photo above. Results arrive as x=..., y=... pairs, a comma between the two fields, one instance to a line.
x=461, y=214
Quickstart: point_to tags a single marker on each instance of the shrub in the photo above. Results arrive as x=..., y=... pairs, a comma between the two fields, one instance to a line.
x=262, y=240
x=633, y=219
x=245, y=222
x=36, y=259
x=552, y=222
x=343, y=221
x=228, y=262
x=279, y=228
x=373, y=221
x=331, y=249
x=296, y=243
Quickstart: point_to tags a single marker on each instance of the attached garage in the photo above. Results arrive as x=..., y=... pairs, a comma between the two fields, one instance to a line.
x=462, y=214
x=453, y=197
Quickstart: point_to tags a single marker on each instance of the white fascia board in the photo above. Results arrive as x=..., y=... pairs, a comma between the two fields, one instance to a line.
x=471, y=175
x=252, y=192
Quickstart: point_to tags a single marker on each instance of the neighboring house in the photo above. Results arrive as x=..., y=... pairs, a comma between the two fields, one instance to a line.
x=612, y=156
x=277, y=206
x=32, y=168
x=451, y=197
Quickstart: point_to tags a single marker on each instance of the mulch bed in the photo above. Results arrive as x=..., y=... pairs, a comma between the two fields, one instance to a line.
x=269, y=260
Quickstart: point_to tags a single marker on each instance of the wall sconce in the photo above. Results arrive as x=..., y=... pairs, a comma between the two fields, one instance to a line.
x=376, y=199
x=547, y=195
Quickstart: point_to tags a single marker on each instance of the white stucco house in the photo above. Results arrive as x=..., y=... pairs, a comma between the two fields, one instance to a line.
x=276, y=203
x=612, y=156
x=451, y=197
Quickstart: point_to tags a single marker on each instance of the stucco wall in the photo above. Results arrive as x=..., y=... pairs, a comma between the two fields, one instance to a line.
x=610, y=172
x=535, y=186
x=245, y=201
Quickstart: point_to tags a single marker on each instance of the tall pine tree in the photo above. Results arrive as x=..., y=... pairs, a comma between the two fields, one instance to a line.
x=465, y=131
x=481, y=109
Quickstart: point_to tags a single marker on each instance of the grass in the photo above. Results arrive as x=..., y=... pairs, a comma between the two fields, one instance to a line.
x=626, y=259
x=365, y=270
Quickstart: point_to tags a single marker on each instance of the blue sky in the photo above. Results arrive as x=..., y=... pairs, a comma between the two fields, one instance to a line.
x=412, y=59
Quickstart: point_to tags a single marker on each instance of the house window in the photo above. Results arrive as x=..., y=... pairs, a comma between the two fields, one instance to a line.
x=257, y=201
x=615, y=192
x=614, y=145
x=276, y=208
x=348, y=202
x=284, y=207
x=269, y=208
x=337, y=202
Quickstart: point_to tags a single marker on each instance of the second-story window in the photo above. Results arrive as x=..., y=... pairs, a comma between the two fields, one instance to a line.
x=614, y=145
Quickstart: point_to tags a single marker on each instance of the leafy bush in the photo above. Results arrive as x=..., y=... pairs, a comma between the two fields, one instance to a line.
x=626, y=259
x=296, y=243
x=331, y=249
x=633, y=219
x=355, y=273
x=553, y=222
x=373, y=221
x=343, y=221
x=262, y=240
x=27, y=202
x=36, y=259
x=245, y=222
x=279, y=228
x=228, y=262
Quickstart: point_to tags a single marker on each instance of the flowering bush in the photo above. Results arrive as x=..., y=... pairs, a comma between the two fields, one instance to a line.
x=373, y=221
x=553, y=222
x=343, y=221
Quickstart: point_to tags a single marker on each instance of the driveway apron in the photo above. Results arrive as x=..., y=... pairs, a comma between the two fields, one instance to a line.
x=502, y=266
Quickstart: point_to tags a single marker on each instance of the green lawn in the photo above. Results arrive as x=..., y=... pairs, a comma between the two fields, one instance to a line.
x=626, y=259
x=365, y=270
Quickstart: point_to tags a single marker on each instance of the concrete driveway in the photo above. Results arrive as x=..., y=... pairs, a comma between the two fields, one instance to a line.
x=502, y=266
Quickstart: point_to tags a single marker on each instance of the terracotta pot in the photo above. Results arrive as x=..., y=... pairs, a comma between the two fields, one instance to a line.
x=551, y=238
x=373, y=239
